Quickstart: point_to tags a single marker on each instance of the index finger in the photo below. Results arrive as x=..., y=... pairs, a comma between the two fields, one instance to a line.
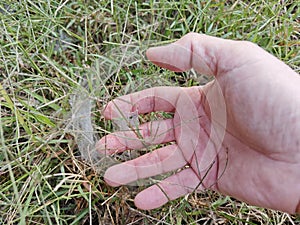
x=149, y=100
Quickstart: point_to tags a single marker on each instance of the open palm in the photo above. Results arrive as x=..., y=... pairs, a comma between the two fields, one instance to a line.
x=238, y=135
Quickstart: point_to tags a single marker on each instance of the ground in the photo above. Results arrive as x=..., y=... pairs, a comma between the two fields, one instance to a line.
x=49, y=49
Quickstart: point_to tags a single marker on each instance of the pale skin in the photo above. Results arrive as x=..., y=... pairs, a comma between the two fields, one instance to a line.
x=238, y=135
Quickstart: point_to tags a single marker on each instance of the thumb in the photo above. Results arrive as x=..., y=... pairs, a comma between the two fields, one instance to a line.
x=207, y=55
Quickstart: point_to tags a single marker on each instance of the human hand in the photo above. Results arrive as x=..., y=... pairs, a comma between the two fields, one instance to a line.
x=238, y=135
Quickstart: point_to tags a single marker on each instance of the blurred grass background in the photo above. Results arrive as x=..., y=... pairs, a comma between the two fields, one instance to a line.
x=47, y=47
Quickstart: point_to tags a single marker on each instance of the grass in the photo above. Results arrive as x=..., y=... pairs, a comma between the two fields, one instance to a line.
x=49, y=47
